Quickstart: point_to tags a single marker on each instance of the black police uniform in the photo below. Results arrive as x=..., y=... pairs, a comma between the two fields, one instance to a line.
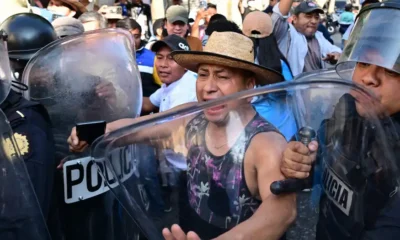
x=26, y=34
x=366, y=205
x=32, y=131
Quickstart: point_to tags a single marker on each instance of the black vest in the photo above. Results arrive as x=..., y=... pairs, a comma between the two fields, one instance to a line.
x=355, y=190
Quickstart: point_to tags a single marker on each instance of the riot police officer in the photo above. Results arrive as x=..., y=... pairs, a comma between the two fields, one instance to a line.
x=21, y=216
x=81, y=80
x=360, y=198
x=27, y=33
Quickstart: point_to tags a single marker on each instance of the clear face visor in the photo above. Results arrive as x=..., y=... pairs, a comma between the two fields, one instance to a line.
x=374, y=40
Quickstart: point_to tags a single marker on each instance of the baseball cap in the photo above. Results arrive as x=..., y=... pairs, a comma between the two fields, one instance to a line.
x=172, y=41
x=177, y=13
x=257, y=24
x=308, y=7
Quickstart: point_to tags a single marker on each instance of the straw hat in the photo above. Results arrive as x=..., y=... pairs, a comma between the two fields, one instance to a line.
x=257, y=24
x=231, y=50
x=76, y=5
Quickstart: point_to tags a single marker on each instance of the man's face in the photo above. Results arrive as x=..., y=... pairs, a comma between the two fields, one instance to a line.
x=136, y=34
x=56, y=6
x=178, y=28
x=92, y=25
x=210, y=12
x=306, y=23
x=159, y=32
x=382, y=82
x=215, y=81
x=112, y=23
x=167, y=69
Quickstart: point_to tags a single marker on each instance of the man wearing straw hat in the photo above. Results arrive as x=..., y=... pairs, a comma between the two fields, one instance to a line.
x=224, y=69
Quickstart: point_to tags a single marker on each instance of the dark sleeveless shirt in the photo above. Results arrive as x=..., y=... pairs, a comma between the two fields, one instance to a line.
x=216, y=197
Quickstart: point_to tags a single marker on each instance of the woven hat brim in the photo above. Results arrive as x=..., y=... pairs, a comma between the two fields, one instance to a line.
x=77, y=6
x=192, y=59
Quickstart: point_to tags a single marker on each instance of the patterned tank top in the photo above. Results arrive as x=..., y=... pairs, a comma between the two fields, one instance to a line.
x=217, y=194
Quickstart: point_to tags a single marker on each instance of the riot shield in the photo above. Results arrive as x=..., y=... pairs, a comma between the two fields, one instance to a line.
x=204, y=178
x=5, y=68
x=325, y=96
x=369, y=43
x=87, y=79
x=20, y=215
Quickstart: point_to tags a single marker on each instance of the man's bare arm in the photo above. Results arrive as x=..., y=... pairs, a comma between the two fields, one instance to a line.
x=162, y=130
x=241, y=7
x=147, y=106
x=153, y=133
x=284, y=6
x=279, y=20
x=195, y=32
x=276, y=213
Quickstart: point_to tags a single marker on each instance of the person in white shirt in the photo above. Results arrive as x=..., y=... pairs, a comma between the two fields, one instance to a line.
x=304, y=47
x=179, y=85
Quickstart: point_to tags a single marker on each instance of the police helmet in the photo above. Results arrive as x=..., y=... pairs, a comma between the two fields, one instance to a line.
x=374, y=39
x=27, y=33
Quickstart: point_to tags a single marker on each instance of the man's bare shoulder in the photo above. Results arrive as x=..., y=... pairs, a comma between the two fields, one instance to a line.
x=269, y=138
x=267, y=145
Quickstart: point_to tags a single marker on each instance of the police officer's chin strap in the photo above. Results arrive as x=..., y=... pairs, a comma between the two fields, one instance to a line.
x=17, y=84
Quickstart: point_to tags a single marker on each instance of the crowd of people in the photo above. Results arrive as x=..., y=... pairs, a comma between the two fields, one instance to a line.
x=197, y=52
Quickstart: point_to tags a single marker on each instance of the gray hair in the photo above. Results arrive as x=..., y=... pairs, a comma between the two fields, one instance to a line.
x=93, y=16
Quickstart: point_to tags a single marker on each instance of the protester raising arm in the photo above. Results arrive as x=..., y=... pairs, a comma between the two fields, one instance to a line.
x=284, y=6
x=148, y=106
x=279, y=19
x=195, y=29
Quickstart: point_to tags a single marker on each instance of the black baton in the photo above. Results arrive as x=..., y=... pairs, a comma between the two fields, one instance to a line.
x=291, y=185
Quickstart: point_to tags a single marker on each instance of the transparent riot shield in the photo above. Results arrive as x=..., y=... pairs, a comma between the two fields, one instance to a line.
x=87, y=80
x=206, y=175
x=325, y=96
x=5, y=68
x=20, y=215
